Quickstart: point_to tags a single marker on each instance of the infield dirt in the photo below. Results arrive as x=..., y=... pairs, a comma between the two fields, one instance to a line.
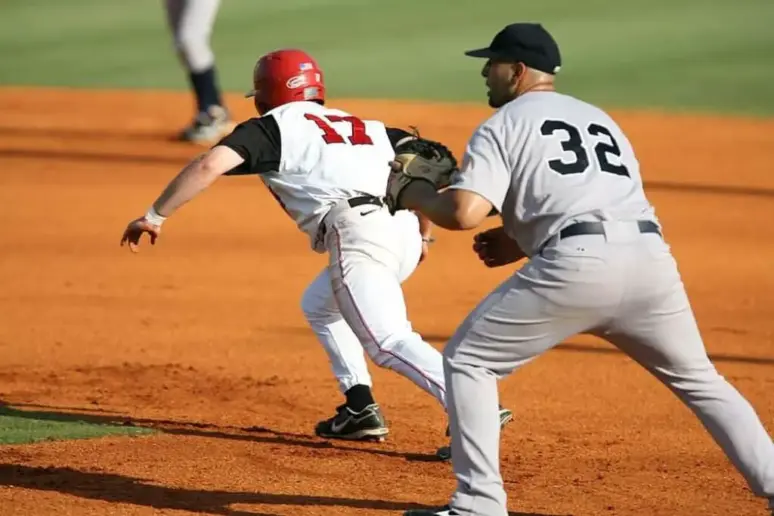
x=202, y=335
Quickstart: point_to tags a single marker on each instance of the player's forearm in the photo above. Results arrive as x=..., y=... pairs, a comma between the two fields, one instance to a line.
x=440, y=209
x=191, y=181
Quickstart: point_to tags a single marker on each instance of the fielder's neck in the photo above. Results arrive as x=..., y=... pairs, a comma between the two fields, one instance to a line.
x=535, y=80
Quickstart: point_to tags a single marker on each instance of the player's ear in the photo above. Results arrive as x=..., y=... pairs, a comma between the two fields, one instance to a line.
x=518, y=70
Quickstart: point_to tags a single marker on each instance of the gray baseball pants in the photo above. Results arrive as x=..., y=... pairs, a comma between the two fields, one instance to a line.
x=625, y=288
x=191, y=22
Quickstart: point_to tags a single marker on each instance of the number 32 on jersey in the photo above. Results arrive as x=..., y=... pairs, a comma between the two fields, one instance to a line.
x=357, y=135
x=605, y=148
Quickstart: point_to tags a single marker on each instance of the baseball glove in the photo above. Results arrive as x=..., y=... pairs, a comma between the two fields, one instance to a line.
x=419, y=159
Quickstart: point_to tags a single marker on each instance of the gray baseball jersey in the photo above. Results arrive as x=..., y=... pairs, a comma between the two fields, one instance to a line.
x=545, y=159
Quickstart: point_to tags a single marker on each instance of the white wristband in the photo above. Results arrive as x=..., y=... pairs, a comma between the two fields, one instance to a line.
x=154, y=218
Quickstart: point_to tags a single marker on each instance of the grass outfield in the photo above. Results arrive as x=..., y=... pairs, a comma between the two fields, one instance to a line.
x=688, y=54
x=23, y=427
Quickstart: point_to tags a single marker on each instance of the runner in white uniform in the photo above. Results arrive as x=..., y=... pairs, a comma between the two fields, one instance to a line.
x=328, y=169
x=566, y=182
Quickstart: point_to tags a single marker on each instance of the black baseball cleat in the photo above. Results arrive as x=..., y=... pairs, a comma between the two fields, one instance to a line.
x=443, y=511
x=366, y=425
x=444, y=452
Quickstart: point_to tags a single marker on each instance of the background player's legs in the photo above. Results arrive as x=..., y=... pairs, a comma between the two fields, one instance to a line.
x=665, y=339
x=510, y=327
x=191, y=22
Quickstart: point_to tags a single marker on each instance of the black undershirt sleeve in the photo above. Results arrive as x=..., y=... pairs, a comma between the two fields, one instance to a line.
x=257, y=141
x=395, y=135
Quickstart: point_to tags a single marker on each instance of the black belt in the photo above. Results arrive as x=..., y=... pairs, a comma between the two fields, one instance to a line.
x=598, y=228
x=354, y=202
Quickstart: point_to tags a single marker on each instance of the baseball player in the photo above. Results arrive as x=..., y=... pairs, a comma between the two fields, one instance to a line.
x=191, y=23
x=328, y=170
x=566, y=182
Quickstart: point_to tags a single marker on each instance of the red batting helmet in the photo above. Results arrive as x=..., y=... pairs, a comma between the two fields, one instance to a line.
x=284, y=76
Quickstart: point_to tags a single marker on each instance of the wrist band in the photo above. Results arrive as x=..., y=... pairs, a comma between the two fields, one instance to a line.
x=153, y=217
x=429, y=240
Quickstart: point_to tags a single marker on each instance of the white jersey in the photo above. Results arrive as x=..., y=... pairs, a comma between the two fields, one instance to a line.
x=327, y=156
x=546, y=159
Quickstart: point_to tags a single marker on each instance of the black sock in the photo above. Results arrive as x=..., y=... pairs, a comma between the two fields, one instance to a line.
x=205, y=88
x=359, y=397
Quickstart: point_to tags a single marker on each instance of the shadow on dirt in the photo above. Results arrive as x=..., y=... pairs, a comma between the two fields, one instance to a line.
x=104, y=134
x=97, y=157
x=575, y=347
x=110, y=487
x=253, y=434
x=715, y=357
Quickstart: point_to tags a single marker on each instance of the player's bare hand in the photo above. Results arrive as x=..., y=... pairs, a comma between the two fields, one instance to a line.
x=495, y=248
x=135, y=230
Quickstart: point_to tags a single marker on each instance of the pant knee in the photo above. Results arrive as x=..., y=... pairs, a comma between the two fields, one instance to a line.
x=194, y=49
x=379, y=357
x=381, y=352
x=311, y=305
x=386, y=352
x=690, y=380
x=695, y=387
x=455, y=353
x=317, y=308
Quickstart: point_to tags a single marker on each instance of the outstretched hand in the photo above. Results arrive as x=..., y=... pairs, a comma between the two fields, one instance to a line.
x=135, y=230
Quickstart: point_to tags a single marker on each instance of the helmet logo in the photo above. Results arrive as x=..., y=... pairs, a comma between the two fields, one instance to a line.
x=305, y=66
x=296, y=82
x=311, y=93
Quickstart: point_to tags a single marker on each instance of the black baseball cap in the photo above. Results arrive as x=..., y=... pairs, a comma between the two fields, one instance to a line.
x=529, y=43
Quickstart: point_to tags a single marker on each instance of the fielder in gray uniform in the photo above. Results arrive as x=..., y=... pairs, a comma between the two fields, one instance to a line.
x=566, y=182
x=191, y=22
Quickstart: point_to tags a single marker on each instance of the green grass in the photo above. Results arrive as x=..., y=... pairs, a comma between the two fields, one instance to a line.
x=23, y=427
x=676, y=54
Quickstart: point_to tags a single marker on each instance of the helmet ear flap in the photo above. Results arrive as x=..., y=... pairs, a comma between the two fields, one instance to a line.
x=312, y=93
x=262, y=107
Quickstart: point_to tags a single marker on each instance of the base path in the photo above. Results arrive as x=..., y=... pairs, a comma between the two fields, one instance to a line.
x=202, y=335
